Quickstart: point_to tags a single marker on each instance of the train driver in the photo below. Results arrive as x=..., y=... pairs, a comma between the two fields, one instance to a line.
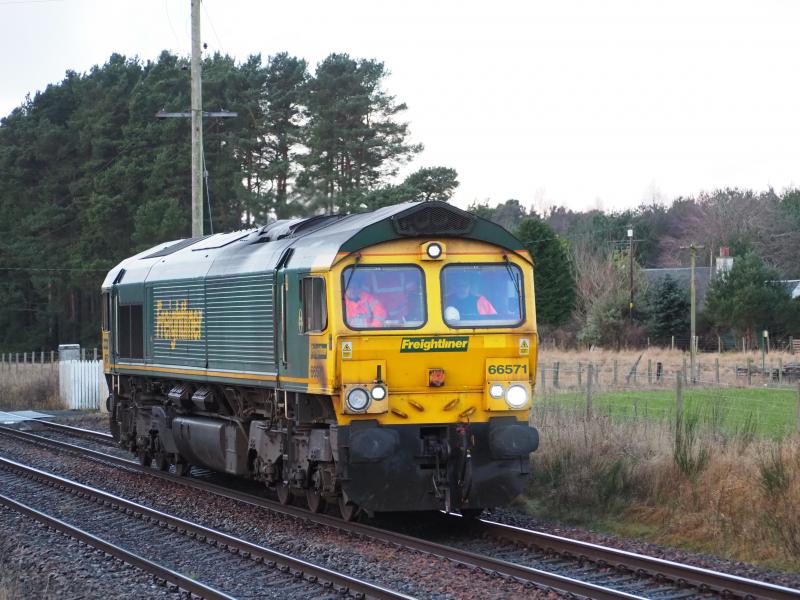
x=469, y=305
x=362, y=308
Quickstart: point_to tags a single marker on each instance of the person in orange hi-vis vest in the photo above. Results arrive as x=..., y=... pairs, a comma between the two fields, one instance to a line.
x=469, y=305
x=364, y=309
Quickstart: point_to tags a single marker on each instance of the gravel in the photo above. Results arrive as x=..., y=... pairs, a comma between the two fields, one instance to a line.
x=212, y=565
x=509, y=516
x=399, y=569
x=37, y=562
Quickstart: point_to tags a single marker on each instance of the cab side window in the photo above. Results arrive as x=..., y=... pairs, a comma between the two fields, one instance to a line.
x=131, y=332
x=105, y=312
x=315, y=308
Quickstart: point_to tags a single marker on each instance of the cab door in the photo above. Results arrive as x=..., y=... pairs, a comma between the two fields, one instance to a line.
x=292, y=344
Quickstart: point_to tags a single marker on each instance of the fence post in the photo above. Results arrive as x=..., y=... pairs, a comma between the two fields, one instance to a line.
x=684, y=368
x=556, y=367
x=798, y=407
x=749, y=371
x=616, y=371
x=780, y=370
x=679, y=396
x=94, y=354
x=543, y=379
x=672, y=343
x=52, y=356
x=716, y=369
x=649, y=371
x=589, y=391
x=719, y=344
x=580, y=375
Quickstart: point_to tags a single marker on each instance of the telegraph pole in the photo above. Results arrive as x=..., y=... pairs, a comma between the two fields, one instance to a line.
x=693, y=319
x=197, y=126
x=196, y=114
x=630, y=286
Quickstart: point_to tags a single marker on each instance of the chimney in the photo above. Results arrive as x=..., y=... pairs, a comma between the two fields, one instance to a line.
x=724, y=260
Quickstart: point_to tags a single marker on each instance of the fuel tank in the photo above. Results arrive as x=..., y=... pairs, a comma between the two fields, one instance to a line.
x=217, y=444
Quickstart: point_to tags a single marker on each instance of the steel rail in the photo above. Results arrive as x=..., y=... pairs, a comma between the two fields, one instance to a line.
x=318, y=573
x=521, y=573
x=105, y=438
x=705, y=579
x=183, y=582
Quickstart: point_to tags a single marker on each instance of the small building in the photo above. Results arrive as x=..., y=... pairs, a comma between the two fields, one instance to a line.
x=703, y=275
x=682, y=276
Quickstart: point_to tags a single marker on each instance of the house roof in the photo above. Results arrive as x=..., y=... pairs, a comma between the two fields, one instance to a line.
x=682, y=276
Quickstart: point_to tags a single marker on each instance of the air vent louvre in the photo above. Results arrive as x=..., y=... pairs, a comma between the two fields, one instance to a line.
x=433, y=219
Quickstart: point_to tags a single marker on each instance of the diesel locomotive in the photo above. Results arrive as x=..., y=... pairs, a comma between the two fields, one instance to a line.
x=384, y=361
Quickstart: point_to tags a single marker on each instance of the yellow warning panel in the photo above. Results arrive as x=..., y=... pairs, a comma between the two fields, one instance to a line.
x=347, y=350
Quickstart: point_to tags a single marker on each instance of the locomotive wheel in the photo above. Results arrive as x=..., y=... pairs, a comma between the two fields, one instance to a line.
x=145, y=458
x=348, y=510
x=162, y=461
x=316, y=503
x=182, y=469
x=471, y=513
x=284, y=493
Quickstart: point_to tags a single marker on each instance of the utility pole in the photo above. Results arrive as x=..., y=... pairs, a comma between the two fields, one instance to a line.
x=693, y=319
x=630, y=286
x=197, y=126
x=198, y=168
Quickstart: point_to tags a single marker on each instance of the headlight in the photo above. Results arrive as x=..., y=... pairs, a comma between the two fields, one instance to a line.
x=378, y=392
x=496, y=390
x=434, y=250
x=516, y=396
x=357, y=399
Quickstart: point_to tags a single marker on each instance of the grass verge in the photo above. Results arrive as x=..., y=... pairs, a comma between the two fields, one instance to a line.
x=679, y=484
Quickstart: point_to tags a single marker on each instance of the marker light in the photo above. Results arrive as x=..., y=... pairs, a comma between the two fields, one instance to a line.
x=516, y=396
x=378, y=392
x=496, y=390
x=358, y=399
x=434, y=250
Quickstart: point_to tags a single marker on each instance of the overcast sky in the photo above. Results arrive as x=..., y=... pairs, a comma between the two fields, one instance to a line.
x=586, y=104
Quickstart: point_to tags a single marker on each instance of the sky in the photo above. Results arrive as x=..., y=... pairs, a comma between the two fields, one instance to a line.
x=586, y=104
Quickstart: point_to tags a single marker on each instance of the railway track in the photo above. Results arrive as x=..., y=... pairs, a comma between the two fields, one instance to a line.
x=118, y=522
x=601, y=572
x=89, y=434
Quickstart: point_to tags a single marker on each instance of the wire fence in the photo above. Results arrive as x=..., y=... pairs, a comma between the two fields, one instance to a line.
x=12, y=359
x=765, y=405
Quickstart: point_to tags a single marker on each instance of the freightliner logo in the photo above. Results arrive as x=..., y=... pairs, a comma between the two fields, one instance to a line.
x=434, y=344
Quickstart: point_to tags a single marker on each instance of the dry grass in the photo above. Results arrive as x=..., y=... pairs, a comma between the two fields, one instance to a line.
x=672, y=361
x=734, y=496
x=29, y=387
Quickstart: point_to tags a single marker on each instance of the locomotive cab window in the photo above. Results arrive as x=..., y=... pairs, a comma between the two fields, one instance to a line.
x=315, y=308
x=485, y=295
x=130, y=335
x=384, y=297
x=105, y=311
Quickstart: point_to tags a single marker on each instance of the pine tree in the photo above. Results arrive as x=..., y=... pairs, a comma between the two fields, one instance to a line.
x=668, y=309
x=553, y=275
x=354, y=140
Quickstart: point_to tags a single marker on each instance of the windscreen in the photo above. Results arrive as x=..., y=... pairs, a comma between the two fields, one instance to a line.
x=384, y=297
x=482, y=295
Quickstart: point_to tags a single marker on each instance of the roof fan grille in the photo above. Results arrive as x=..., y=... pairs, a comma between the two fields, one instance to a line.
x=434, y=220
